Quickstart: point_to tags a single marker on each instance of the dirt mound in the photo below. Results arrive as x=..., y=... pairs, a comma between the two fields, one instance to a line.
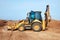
x=54, y=23
x=54, y=26
x=3, y=22
x=53, y=33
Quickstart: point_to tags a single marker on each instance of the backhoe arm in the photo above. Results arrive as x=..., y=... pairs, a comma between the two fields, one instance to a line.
x=47, y=15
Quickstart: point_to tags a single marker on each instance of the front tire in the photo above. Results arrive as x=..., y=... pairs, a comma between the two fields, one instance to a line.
x=37, y=26
x=21, y=28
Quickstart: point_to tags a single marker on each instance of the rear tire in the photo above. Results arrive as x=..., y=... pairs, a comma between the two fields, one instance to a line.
x=36, y=26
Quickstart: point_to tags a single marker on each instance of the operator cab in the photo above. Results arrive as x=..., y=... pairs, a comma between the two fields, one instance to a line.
x=34, y=15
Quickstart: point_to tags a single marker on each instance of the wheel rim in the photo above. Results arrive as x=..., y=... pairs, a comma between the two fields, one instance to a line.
x=36, y=27
x=21, y=28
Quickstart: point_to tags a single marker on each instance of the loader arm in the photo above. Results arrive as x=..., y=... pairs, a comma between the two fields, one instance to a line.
x=19, y=24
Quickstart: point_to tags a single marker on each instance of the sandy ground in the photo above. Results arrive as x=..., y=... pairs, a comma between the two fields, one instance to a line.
x=52, y=33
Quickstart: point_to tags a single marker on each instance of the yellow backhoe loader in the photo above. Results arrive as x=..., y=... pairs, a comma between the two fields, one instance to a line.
x=34, y=21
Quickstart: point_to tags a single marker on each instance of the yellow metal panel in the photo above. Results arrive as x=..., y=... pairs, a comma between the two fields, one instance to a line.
x=43, y=24
x=36, y=21
x=8, y=27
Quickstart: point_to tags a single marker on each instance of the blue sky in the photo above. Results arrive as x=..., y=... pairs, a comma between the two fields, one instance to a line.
x=17, y=9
